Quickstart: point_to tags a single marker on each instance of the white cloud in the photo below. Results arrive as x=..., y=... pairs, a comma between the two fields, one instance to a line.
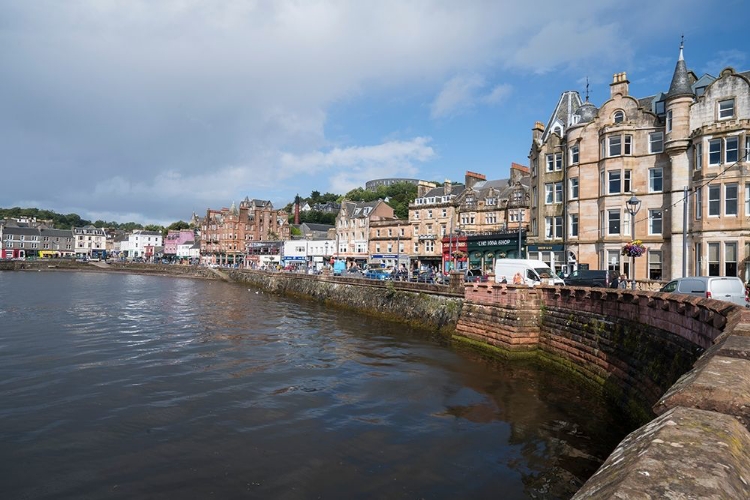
x=462, y=93
x=160, y=106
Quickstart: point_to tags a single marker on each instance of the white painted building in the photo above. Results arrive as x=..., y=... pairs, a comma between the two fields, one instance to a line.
x=89, y=241
x=141, y=244
x=307, y=254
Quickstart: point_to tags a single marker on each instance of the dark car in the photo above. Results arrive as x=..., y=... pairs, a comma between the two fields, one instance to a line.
x=475, y=275
x=594, y=278
x=423, y=277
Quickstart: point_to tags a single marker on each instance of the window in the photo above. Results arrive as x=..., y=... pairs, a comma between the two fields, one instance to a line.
x=626, y=182
x=615, y=181
x=669, y=121
x=746, y=156
x=654, y=222
x=445, y=212
x=713, y=260
x=730, y=153
x=698, y=260
x=429, y=214
x=747, y=199
x=615, y=145
x=656, y=142
x=534, y=166
x=549, y=193
x=619, y=117
x=726, y=109
x=654, y=265
x=574, y=225
x=714, y=203
x=574, y=188
x=620, y=145
x=554, y=162
x=659, y=108
x=730, y=259
x=533, y=196
x=698, y=161
x=699, y=203
x=655, y=180
x=574, y=154
x=613, y=222
x=553, y=227
x=558, y=192
x=714, y=151
x=730, y=199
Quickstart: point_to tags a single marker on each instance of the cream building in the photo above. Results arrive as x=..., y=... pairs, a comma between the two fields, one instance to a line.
x=687, y=147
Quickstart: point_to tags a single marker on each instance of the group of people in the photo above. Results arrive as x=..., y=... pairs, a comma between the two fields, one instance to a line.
x=517, y=279
x=620, y=281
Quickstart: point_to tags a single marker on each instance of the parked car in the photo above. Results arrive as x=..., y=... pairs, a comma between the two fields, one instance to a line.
x=423, y=277
x=727, y=288
x=593, y=277
x=353, y=272
x=474, y=275
x=377, y=274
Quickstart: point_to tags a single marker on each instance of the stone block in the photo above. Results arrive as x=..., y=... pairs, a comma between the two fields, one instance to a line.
x=717, y=383
x=683, y=454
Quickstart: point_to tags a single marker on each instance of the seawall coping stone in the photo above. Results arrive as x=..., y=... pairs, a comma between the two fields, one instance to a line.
x=683, y=454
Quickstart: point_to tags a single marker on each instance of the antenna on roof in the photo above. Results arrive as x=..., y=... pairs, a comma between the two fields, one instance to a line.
x=587, y=89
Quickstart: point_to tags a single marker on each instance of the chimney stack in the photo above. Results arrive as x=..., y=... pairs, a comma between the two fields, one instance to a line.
x=619, y=84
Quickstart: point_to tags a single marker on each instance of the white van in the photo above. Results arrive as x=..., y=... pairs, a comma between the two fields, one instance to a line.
x=727, y=288
x=533, y=272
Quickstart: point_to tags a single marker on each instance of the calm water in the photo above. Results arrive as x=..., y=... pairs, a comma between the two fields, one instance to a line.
x=116, y=386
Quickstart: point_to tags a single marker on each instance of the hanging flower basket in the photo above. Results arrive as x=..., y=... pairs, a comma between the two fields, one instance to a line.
x=633, y=249
x=458, y=254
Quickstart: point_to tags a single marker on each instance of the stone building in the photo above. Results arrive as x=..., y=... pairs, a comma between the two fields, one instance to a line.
x=662, y=153
x=250, y=233
x=353, y=229
x=390, y=243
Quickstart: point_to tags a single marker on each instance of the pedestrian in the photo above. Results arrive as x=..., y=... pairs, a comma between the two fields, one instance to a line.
x=623, y=281
x=517, y=279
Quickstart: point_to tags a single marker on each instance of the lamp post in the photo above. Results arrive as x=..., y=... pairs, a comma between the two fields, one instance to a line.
x=633, y=206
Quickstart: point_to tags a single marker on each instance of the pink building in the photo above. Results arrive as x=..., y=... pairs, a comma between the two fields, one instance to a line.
x=174, y=239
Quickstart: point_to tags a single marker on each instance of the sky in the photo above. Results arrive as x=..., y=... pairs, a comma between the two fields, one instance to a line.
x=148, y=111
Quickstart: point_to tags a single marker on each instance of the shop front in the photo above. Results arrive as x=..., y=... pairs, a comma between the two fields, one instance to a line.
x=553, y=256
x=484, y=249
x=455, y=253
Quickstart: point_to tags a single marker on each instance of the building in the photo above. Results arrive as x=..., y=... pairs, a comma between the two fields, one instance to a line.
x=56, y=243
x=374, y=184
x=90, y=242
x=432, y=215
x=353, y=229
x=175, y=238
x=390, y=243
x=307, y=254
x=248, y=235
x=628, y=170
x=19, y=241
x=141, y=244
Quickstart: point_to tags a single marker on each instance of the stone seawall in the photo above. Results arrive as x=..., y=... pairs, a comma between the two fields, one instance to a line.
x=640, y=347
x=435, y=307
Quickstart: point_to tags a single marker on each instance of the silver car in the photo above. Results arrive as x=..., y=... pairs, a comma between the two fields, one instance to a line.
x=727, y=288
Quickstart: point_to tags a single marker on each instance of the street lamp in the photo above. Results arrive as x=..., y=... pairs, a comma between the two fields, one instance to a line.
x=633, y=205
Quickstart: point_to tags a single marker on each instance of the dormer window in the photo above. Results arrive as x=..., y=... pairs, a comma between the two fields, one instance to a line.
x=726, y=109
x=619, y=117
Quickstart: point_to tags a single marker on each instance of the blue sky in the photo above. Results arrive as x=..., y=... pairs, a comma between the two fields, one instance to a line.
x=144, y=111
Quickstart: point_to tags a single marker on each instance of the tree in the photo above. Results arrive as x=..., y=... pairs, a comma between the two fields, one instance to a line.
x=176, y=226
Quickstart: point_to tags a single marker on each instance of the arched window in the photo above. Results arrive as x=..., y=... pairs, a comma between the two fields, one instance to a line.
x=619, y=116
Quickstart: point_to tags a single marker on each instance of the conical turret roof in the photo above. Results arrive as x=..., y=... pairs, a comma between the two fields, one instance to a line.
x=681, y=84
